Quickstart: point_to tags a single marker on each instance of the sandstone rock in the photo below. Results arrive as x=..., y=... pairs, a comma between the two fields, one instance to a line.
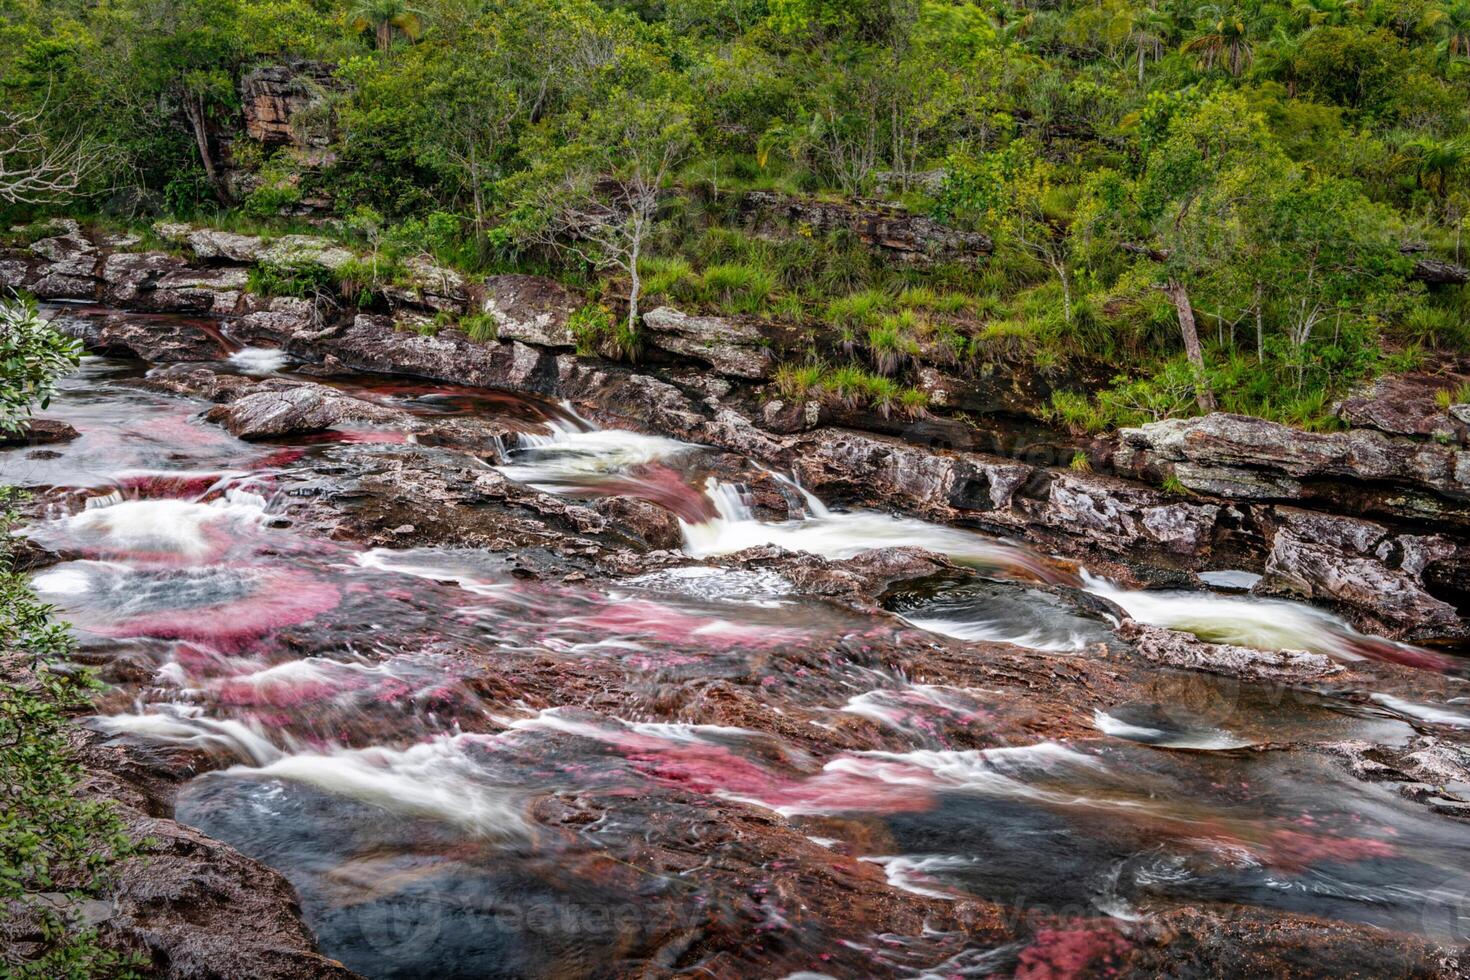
x=18, y=273
x=1183, y=652
x=1252, y=459
x=732, y=347
x=306, y=250
x=126, y=275
x=211, y=244
x=52, y=286
x=296, y=408
x=191, y=290
x=1399, y=405
x=39, y=432
x=885, y=226
x=157, y=339
x=280, y=102
x=276, y=318
x=431, y=285
x=67, y=255
x=648, y=522
x=1359, y=564
x=531, y=309
x=370, y=343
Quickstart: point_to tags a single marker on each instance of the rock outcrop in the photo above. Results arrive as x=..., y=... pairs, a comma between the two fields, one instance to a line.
x=884, y=226
x=531, y=309
x=283, y=104
x=734, y=348
x=1361, y=565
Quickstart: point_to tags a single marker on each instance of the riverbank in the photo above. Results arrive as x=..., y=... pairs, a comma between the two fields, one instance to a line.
x=341, y=577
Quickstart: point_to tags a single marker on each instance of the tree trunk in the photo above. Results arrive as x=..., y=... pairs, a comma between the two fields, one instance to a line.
x=194, y=110
x=385, y=36
x=1192, y=348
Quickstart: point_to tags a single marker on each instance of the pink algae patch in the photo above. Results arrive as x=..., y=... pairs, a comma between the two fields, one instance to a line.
x=283, y=599
x=1070, y=954
x=665, y=624
x=1294, y=850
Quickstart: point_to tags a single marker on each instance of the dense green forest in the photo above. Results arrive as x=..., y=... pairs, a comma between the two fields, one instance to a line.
x=1191, y=204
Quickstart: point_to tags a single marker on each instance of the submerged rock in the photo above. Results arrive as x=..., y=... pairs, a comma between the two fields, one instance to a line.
x=299, y=407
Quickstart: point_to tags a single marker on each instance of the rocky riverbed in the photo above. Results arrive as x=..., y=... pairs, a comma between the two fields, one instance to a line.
x=429, y=656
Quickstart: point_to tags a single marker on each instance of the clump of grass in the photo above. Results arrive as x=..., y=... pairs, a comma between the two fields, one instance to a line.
x=1077, y=412
x=736, y=287
x=859, y=310
x=1458, y=395
x=850, y=386
x=1172, y=484
x=664, y=276
x=1080, y=463
x=480, y=327
x=890, y=343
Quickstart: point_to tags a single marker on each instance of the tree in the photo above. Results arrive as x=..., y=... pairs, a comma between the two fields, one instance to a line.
x=37, y=167
x=32, y=357
x=1224, y=43
x=596, y=195
x=1009, y=193
x=385, y=19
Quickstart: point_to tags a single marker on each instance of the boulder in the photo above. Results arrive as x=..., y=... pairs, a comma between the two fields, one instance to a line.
x=156, y=339
x=18, y=273
x=67, y=255
x=287, y=408
x=1405, y=405
x=39, y=432
x=52, y=286
x=1362, y=565
x=654, y=526
x=1180, y=651
x=191, y=290
x=306, y=250
x=531, y=309
x=732, y=347
x=127, y=275
x=277, y=319
x=213, y=245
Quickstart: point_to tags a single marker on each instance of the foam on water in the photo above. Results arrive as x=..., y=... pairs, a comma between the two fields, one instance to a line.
x=1242, y=620
x=187, y=725
x=258, y=360
x=180, y=528
x=1167, y=736
x=1433, y=714
x=573, y=457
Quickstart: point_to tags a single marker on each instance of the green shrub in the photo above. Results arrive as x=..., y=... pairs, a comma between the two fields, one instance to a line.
x=597, y=331
x=301, y=281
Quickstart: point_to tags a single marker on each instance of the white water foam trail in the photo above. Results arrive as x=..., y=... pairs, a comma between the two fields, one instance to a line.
x=1430, y=713
x=187, y=725
x=1204, y=740
x=988, y=631
x=1242, y=620
x=571, y=456
x=439, y=779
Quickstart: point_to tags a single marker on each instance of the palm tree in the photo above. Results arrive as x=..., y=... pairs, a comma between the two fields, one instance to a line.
x=1326, y=13
x=1434, y=162
x=1225, y=44
x=384, y=18
x=1148, y=31
x=1454, y=30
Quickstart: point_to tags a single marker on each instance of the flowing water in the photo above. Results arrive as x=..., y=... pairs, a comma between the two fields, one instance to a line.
x=465, y=771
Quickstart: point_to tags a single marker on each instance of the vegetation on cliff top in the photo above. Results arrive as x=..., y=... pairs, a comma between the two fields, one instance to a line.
x=1193, y=204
